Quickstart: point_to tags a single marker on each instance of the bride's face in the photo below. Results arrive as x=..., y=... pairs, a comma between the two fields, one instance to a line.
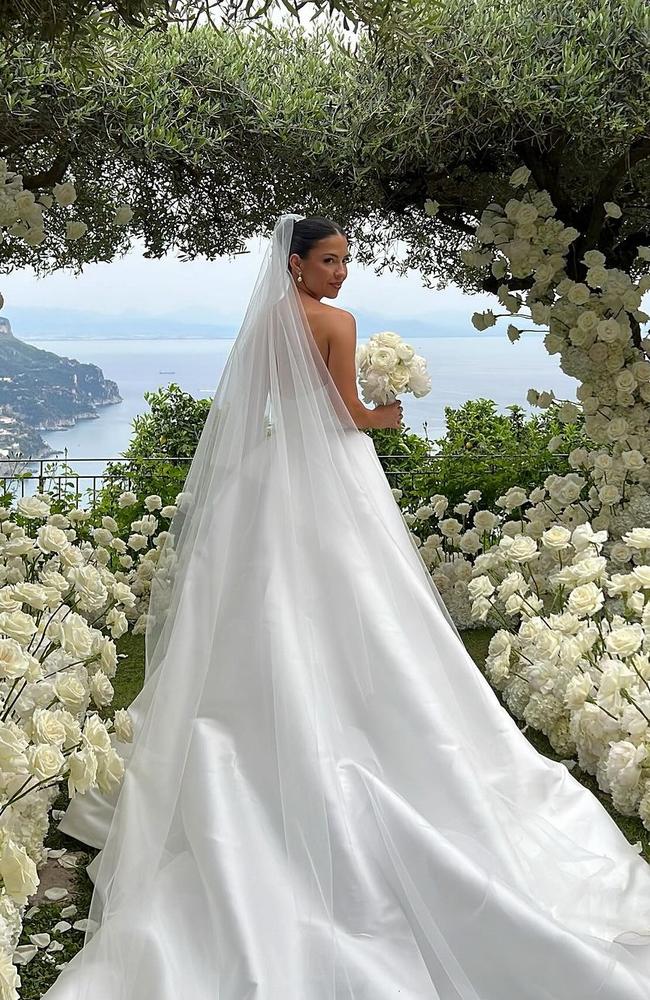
x=325, y=267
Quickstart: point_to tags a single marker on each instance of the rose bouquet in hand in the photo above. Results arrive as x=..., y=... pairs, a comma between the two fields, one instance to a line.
x=387, y=365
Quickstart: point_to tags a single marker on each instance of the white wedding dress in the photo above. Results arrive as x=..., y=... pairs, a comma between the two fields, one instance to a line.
x=325, y=799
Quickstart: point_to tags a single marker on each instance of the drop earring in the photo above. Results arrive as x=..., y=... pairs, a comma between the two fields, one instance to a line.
x=299, y=278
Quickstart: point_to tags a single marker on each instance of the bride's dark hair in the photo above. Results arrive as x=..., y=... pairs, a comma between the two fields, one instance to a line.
x=307, y=232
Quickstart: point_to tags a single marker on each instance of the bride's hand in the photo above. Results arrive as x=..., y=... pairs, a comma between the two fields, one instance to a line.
x=390, y=414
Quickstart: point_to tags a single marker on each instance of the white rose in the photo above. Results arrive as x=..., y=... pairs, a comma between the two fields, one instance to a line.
x=47, y=727
x=514, y=604
x=386, y=338
x=584, y=535
x=31, y=593
x=19, y=545
x=633, y=460
x=513, y=583
x=127, y=499
x=383, y=359
x=71, y=726
x=638, y=538
x=44, y=761
x=74, y=635
x=609, y=494
x=153, y=502
x=578, y=690
x=625, y=640
x=123, y=726
x=17, y=870
x=83, y=770
x=32, y=507
x=450, y=527
x=556, y=537
x=588, y=569
x=521, y=549
x=118, y=623
x=110, y=771
x=514, y=497
x=470, y=542
x=13, y=661
x=50, y=539
x=399, y=380
x=480, y=586
x=89, y=587
x=123, y=594
x=95, y=735
x=586, y=599
x=75, y=229
x=480, y=608
x=137, y=541
x=405, y=352
x=101, y=689
x=13, y=743
x=636, y=602
x=620, y=552
x=623, y=763
x=71, y=692
x=18, y=625
x=64, y=193
x=485, y=520
x=122, y=215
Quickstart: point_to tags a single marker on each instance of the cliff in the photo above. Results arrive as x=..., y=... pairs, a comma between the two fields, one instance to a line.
x=41, y=391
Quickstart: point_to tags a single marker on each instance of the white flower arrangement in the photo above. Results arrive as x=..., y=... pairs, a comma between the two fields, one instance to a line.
x=61, y=608
x=452, y=546
x=575, y=663
x=387, y=365
x=594, y=325
x=22, y=214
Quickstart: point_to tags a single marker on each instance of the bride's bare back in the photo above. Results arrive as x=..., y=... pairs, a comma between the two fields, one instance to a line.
x=335, y=332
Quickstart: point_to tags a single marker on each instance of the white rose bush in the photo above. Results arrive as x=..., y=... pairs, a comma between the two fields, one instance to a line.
x=61, y=609
x=572, y=658
x=594, y=326
x=562, y=570
x=387, y=366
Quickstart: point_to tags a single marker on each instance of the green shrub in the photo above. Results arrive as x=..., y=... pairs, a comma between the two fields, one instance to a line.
x=171, y=430
x=490, y=451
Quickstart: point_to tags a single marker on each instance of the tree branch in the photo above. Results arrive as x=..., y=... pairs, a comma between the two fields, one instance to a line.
x=48, y=178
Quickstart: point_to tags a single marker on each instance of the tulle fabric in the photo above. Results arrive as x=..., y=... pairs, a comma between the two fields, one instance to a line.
x=324, y=799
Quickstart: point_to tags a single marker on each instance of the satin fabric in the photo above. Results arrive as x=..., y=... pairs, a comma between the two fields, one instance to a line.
x=358, y=818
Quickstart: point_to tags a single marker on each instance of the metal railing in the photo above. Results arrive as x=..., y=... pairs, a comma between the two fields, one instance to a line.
x=484, y=463
x=43, y=474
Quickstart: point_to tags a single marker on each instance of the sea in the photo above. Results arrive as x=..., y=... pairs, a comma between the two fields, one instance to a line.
x=461, y=368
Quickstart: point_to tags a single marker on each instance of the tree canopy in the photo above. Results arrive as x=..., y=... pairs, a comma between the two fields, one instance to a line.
x=210, y=133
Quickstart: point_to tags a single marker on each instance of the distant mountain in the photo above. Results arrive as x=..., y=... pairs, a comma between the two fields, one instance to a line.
x=73, y=324
x=64, y=324
x=41, y=391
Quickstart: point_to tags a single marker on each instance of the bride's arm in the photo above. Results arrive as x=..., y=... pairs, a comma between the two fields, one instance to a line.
x=341, y=362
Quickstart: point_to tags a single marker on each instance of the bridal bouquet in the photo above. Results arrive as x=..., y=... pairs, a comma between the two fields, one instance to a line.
x=387, y=365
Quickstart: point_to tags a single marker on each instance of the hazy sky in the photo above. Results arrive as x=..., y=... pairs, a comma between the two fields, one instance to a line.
x=218, y=291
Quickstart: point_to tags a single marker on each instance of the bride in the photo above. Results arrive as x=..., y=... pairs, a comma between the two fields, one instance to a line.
x=324, y=799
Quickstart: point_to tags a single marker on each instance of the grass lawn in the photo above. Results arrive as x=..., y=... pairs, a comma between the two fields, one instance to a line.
x=40, y=973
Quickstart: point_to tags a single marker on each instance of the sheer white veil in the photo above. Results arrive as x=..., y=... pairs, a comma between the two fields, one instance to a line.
x=280, y=477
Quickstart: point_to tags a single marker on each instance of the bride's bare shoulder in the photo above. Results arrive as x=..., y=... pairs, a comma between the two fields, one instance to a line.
x=333, y=318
